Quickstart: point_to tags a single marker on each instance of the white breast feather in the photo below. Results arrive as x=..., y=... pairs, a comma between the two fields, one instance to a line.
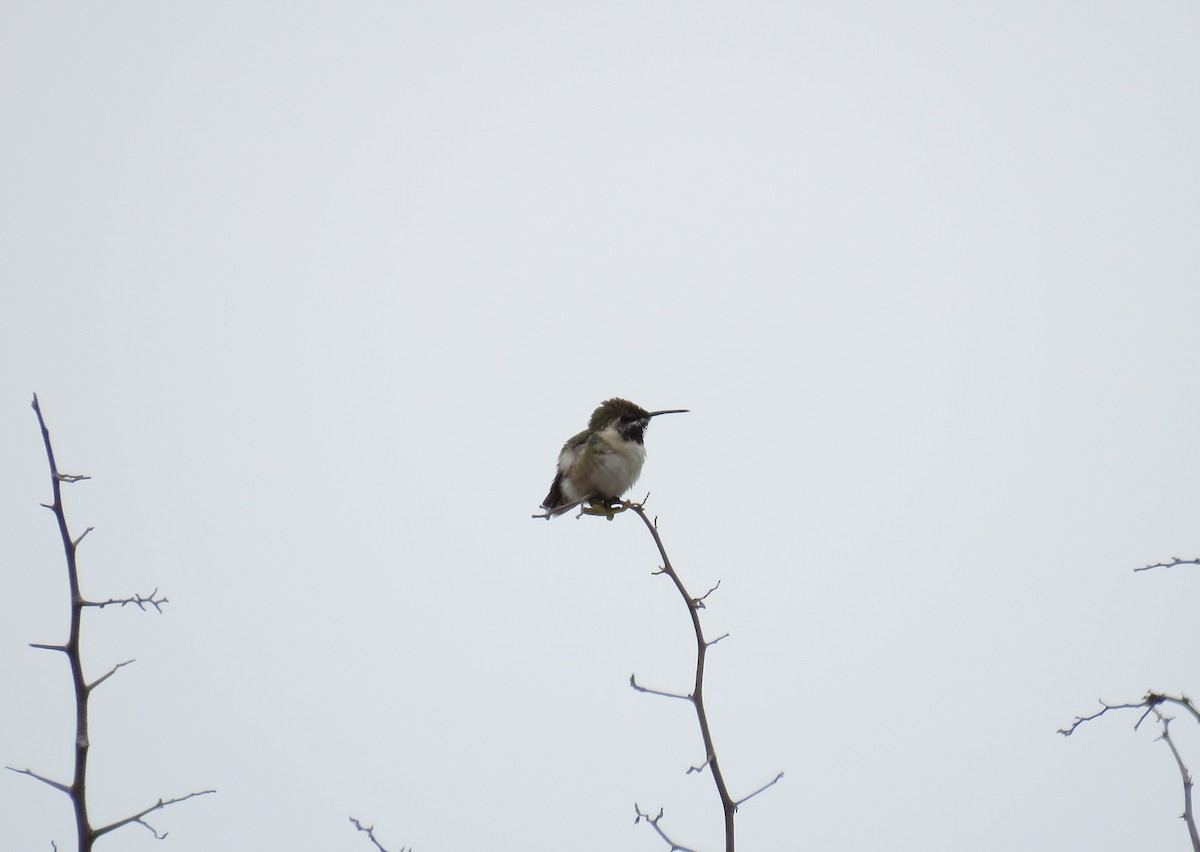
x=615, y=471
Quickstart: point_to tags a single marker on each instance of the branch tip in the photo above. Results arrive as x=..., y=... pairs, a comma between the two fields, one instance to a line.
x=370, y=832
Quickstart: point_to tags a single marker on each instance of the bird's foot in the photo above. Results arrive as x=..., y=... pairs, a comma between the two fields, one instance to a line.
x=608, y=508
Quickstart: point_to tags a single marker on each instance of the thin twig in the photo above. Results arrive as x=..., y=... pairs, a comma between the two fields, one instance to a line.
x=154, y=599
x=750, y=796
x=633, y=682
x=1175, y=560
x=1148, y=703
x=1104, y=708
x=56, y=785
x=108, y=674
x=139, y=817
x=700, y=600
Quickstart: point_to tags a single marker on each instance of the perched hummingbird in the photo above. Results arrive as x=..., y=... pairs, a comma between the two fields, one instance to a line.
x=604, y=460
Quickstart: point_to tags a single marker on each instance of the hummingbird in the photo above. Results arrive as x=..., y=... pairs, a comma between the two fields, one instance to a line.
x=604, y=460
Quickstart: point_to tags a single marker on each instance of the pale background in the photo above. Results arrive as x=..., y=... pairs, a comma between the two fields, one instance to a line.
x=315, y=291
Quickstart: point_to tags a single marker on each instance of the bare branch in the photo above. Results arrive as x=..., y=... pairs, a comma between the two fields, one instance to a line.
x=139, y=818
x=694, y=605
x=654, y=820
x=1188, y=815
x=633, y=682
x=696, y=697
x=76, y=790
x=370, y=831
x=1175, y=560
x=107, y=675
x=750, y=796
x=56, y=785
x=1148, y=702
x=1104, y=708
x=154, y=599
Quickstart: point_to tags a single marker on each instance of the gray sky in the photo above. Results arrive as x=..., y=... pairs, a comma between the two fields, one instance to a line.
x=316, y=291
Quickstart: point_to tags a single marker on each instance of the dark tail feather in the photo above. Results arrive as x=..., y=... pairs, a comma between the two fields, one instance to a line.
x=555, y=500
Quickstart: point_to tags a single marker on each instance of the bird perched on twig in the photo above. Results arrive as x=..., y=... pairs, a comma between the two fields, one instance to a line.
x=604, y=460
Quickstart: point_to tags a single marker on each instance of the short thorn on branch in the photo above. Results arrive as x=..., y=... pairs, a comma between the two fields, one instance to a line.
x=43, y=647
x=653, y=821
x=1175, y=560
x=153, y=599
x=81, y=537
x=370, y=832
x=712, y=642
x=633, y=682
x=701, y=767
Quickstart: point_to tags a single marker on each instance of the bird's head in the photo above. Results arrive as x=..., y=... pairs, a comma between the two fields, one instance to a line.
x=626, y=418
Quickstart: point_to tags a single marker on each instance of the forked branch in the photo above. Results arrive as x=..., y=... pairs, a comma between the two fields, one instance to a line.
x=139, y=817
x=654, y=823
x=154, y=599
x=1148, y=703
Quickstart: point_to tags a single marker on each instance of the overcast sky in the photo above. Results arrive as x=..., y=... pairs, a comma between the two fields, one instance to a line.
x=315, y=292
